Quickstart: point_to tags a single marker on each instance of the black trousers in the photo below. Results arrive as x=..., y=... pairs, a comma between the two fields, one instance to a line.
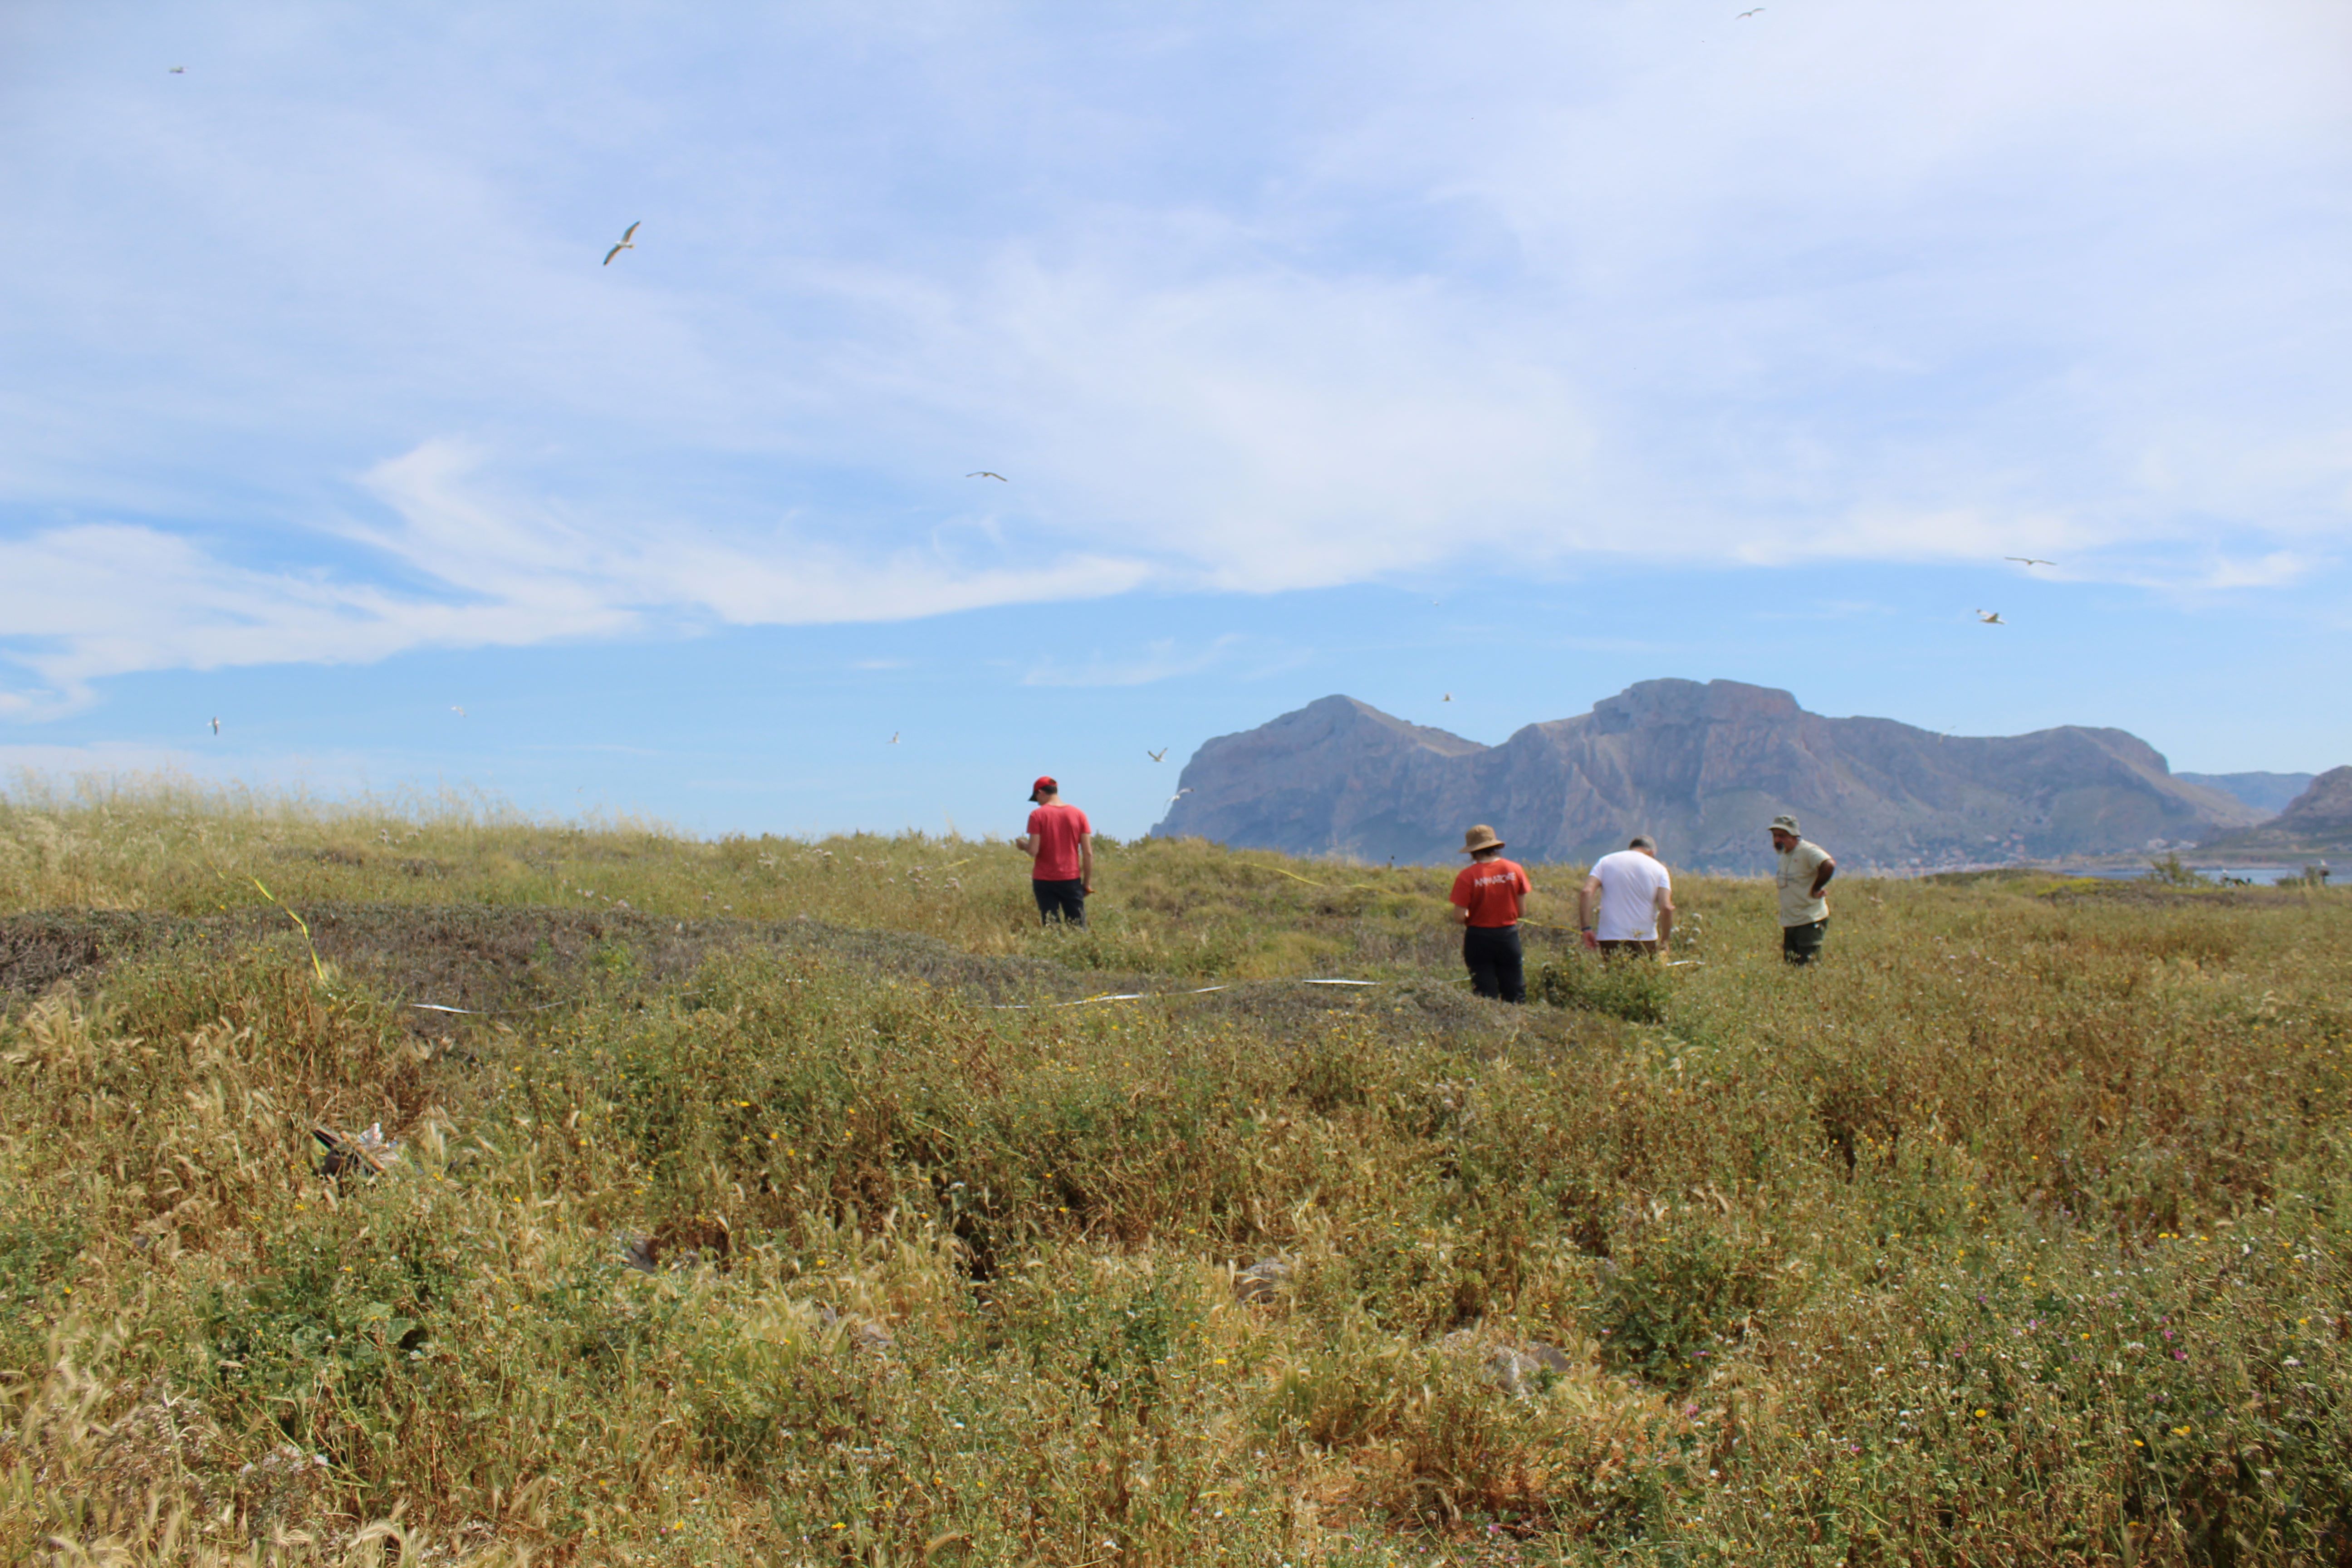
x=1497, y=965
x=1802, y=944
x=1061, y=900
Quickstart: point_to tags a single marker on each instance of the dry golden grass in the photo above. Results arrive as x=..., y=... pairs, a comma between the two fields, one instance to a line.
x=2015, y=1233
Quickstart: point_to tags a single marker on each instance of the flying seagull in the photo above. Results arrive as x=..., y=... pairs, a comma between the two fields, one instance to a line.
x=2028, y=561
x=1180, y=795
x=1745, y=14
x=1448, y=696
x=628, y=242
x=1159, y=756
x=215, y=726
x=985, y=474
x=893, y=740
x=460, y=713
x=179, y=70
x=1991, y=617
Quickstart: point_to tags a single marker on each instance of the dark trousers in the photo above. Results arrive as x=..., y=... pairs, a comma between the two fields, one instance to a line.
x=1061, y=900
x=1802, y=944
x=1497, y=967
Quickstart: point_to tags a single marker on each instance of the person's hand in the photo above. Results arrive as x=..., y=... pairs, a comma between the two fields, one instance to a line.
x=1590, y=940
x=1090, y=890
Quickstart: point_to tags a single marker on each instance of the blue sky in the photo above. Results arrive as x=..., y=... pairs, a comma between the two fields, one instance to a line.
x=1372, y=349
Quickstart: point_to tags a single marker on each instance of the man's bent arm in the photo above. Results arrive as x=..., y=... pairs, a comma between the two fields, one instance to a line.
x=1821, y=877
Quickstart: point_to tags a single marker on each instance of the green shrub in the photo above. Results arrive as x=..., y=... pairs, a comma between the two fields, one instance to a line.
x=38, y=1255
x=1674, y=1299
x=1632, y=989
x=2019, y=1235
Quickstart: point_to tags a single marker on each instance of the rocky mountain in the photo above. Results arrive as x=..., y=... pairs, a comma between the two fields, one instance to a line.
x=2316, y=822
x=1704, y=768
x=2265, y=791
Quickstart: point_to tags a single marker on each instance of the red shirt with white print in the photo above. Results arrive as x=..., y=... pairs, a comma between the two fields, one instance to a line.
x=1491, y=892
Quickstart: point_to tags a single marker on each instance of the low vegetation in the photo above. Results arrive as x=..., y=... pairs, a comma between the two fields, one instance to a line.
x=799, y=1202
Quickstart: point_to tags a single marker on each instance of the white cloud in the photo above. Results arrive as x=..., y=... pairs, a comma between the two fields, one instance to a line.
x=1241, y=305
x=96, y=600
x=451, y=526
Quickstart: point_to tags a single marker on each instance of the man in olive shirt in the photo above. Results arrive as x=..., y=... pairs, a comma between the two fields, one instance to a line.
x=1805, y=874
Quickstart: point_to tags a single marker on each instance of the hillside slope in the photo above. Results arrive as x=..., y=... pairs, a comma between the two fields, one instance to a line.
x=2263, y=792
x=2316, y=822
x=1704, y=766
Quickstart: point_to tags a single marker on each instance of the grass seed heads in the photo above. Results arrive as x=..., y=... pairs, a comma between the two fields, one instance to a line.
x=740, y=1217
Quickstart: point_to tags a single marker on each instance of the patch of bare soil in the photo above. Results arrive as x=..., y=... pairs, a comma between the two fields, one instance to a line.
x=504, y=960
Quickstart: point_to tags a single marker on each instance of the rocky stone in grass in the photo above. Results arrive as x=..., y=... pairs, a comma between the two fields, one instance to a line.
x=680, y=1244
x=1262, y=1280
x=869, y=1334
x=368, y=1153
x=1516, y=1369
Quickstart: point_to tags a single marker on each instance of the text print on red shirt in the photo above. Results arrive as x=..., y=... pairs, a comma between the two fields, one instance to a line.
x=1491, y=892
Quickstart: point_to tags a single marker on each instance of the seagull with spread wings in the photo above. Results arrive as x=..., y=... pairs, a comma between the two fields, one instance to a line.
x=1159, y=756
x=1180, y=795
x=628, y=242
x=215, y=726
x=1990, y=618
x=2029, y=561
x=1758, y=11
x=986, y=474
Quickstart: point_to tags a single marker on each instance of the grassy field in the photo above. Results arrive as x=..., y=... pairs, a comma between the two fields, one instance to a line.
x=767, y=1208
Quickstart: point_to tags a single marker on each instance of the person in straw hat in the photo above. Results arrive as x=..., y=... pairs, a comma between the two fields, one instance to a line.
x=1486, y=898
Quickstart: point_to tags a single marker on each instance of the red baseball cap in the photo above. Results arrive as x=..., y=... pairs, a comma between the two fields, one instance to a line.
x=1044, y=782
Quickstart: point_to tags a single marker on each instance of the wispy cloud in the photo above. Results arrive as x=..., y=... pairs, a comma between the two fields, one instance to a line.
x=90, y=601
x=1164, y=659
x=87, y=602
x=319, y=365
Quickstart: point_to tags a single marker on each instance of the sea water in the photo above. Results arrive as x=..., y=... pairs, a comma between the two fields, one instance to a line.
x=2260, y=876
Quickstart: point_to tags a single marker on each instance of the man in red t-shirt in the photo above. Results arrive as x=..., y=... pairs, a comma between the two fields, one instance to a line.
x=1061, y=844
x=1486, y=897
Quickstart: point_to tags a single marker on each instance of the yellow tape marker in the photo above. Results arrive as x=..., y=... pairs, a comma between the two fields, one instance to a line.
x=316, y=967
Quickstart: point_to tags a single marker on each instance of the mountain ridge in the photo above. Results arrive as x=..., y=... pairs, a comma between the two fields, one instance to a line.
x=2265, y=792
x=2317, y=821
x=1702, y=766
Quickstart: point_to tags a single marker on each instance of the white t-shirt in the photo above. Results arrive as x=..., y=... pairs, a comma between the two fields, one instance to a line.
x=1797, y=869
x=1630, y=884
